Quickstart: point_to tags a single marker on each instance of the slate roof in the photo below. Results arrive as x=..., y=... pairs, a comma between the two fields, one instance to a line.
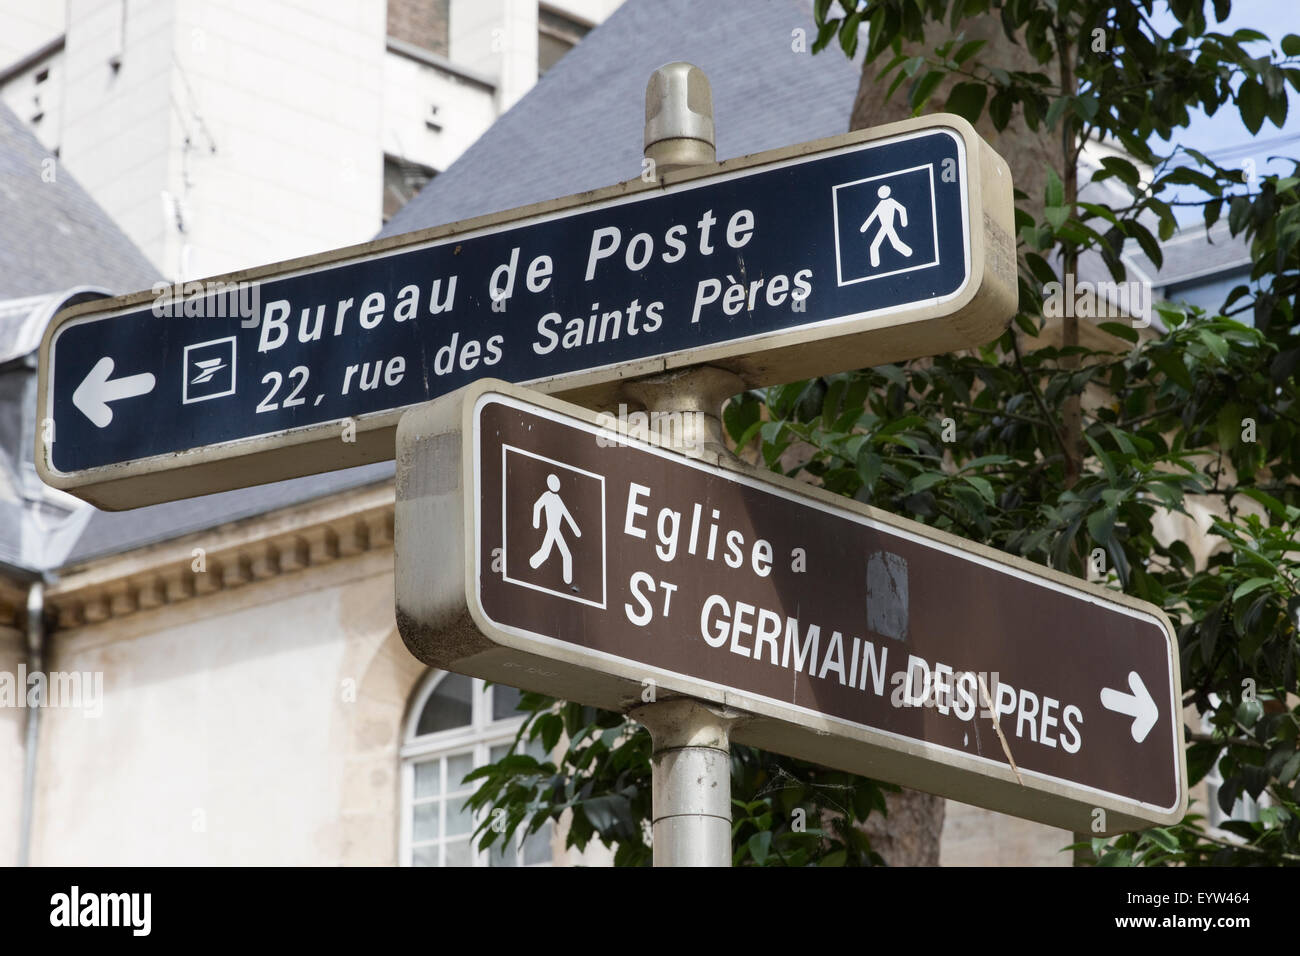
x=57, y=247
x=52, y=234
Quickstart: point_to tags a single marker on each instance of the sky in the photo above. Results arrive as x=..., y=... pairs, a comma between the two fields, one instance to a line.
x=1223, y=136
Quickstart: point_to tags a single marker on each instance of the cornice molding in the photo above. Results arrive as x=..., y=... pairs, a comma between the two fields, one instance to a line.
x=230, y=556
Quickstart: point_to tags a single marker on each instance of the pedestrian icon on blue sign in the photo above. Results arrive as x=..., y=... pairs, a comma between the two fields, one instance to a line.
x=884, y=214
x=885, y=225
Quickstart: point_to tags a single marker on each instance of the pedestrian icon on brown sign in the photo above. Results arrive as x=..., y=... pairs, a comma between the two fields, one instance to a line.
x=551, y=506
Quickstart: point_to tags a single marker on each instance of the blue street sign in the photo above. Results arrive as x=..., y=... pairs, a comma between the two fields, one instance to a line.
x=830, y=256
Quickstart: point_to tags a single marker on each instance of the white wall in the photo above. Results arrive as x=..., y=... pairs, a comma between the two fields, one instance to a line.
x=292, y=95
x=255, y=726
x=27, y=97
x=498, y=38
x=465, y=110
x=117, y=126
x=225, y=736
x=590, y=11
x=28, y=25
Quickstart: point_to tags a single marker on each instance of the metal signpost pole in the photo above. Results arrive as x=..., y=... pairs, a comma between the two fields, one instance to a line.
x=691, y=758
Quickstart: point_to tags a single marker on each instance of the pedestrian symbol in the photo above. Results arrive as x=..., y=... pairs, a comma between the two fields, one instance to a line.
x=551, y=505
x=553, y=519
x=886, y=225
x=884, y=212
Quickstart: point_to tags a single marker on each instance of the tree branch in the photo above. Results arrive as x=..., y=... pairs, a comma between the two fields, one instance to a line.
x=1072, y=462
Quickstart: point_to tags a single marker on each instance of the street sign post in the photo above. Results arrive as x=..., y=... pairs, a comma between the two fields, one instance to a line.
x=602, y=568
x=871, y=247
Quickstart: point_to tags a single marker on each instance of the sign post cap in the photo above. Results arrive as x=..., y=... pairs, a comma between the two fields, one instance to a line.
x=679, y=116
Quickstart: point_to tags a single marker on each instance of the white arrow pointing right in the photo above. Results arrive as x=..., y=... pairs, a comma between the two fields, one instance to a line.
x=96, y=391
x=1137, y=705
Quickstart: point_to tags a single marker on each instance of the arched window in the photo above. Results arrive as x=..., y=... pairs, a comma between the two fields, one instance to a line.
x=458, y=723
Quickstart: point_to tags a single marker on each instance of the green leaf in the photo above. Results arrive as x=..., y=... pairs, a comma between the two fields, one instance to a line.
x=824, y=34
x=1187, y=176
x=983, y=461
x=1238, y=214
x=1290, y=769
x=1086, y=107
x=1229, y=790
x=1291, y=45
x=1101, y=525
x=1252, y=102
x=967, y=100
x=1059, y=106
x=1275, y=507
x=924, y=481
x=1249, y=712
x=1122, y=168
x=924, y=90
x=1120, y=330
x=1249, y=587
x=971, y=47
x=1171, y=364
x=552, y=727
x=1215, y=343
x=1163, y=839
x=760, y=844
x=1106, y=463
x=1055, y=188
x=849, y=34
x=1000, y=109
x=869, y=467
x=1147, y=241
x=982, y=486
x=1277, y=107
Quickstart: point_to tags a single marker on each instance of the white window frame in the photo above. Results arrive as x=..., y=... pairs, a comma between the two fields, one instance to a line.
x=478, y=737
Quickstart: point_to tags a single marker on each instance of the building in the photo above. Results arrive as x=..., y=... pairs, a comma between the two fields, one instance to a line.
x=223, y=134
x=257, y=705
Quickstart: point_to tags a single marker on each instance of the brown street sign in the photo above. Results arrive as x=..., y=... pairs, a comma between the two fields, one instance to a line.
x=875, y=246
x=549, y=548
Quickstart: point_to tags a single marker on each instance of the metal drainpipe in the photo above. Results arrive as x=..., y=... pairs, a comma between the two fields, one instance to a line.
x=35, y=663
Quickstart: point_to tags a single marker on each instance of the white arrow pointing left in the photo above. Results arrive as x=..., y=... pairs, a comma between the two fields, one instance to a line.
x=1139, y=705
x=97, y=390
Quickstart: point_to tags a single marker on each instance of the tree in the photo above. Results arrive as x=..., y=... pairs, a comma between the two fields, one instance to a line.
x=1037, y=444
